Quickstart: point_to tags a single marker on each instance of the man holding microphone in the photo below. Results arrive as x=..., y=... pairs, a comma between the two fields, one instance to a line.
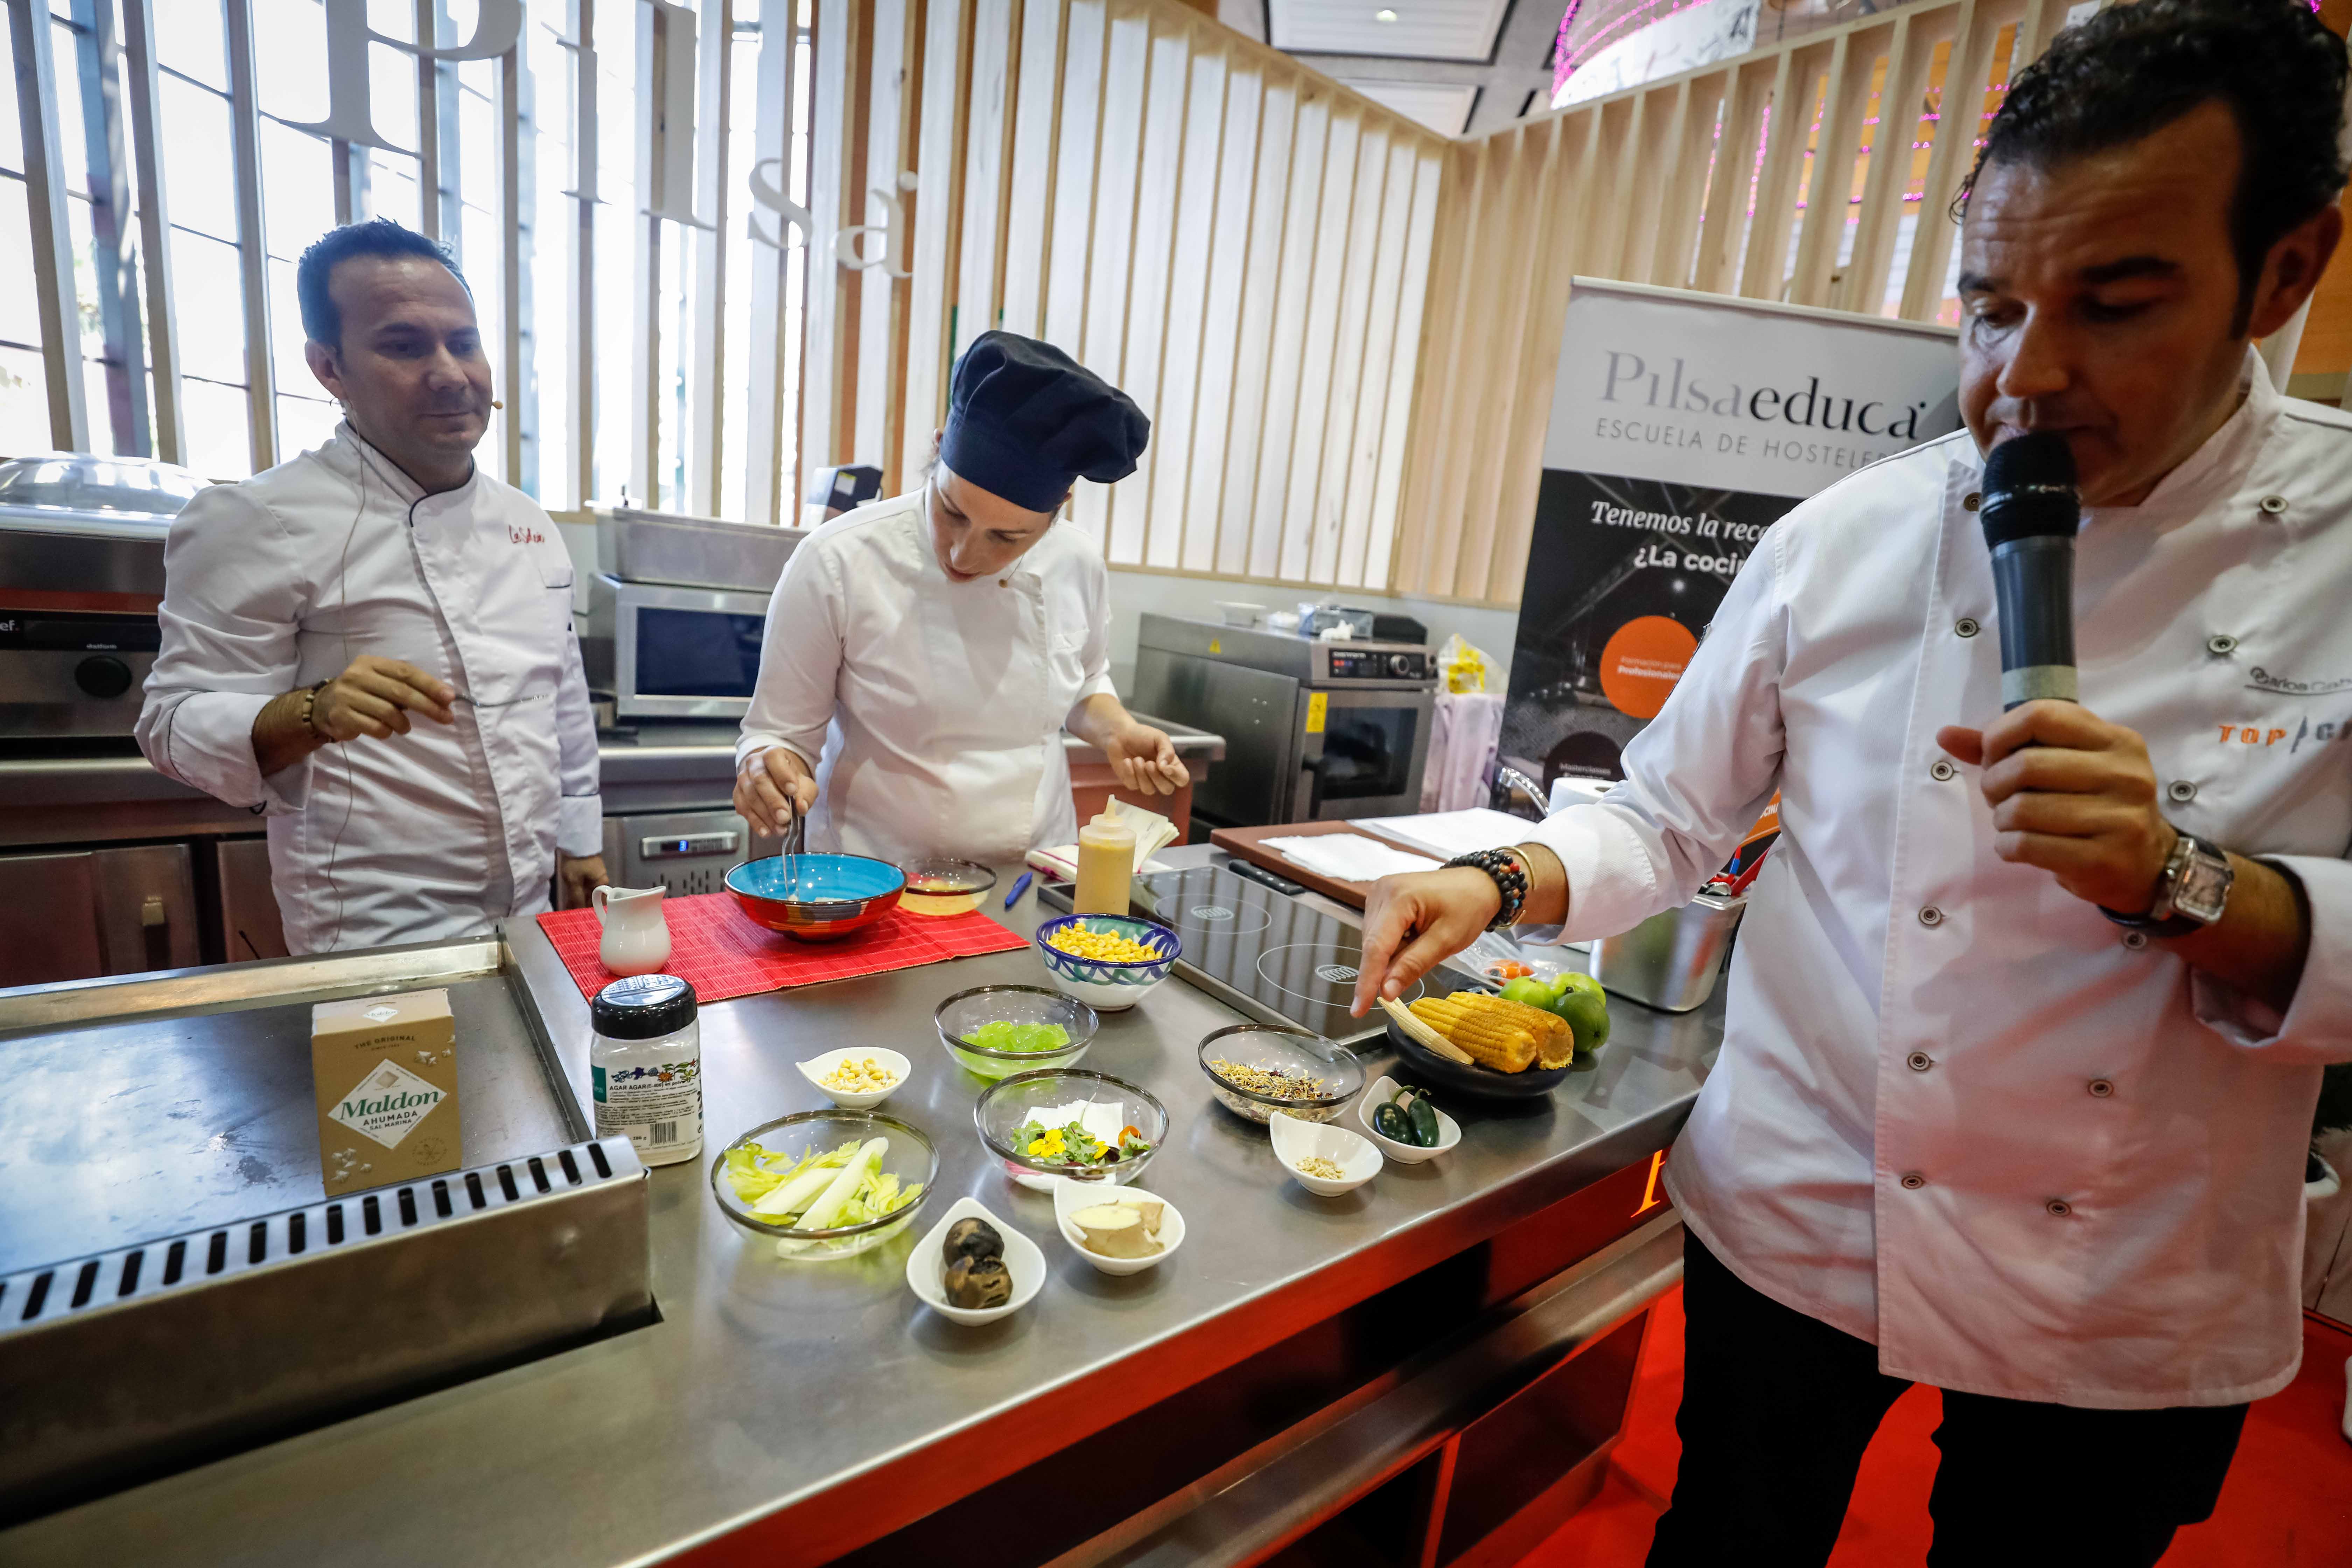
x=2026, y=1021
x=372, y=644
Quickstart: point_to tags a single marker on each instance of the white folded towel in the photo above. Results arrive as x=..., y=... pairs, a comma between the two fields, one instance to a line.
x=1348, y=856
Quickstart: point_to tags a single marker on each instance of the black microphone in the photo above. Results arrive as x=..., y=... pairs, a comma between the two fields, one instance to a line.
x=2031, y=514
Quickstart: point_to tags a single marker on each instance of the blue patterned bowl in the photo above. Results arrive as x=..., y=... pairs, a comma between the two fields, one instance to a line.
x=816, y=897
x=1103, y=986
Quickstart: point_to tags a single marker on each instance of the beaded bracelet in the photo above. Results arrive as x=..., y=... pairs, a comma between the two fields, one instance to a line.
x=1510, y=875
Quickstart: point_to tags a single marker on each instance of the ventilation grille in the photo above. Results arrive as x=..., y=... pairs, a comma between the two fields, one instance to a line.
x=36, y=1298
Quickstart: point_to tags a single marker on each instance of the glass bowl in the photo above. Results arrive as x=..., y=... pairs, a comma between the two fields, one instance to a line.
x=1291, y=1053
x=1004, y=1105
x=910, y=1157
x=942, y=887
x=968, y=1010
x=1109, y=986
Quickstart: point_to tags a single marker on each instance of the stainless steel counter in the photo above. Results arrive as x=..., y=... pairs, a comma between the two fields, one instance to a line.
x=821, y=1405
x=97, y=797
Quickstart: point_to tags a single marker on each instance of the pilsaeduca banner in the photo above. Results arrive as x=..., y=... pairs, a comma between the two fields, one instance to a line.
x=1683, y=425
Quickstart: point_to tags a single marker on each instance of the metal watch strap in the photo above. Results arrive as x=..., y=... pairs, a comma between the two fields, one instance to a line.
x=310, y=710
x=1509, y=871
x=2162, y=918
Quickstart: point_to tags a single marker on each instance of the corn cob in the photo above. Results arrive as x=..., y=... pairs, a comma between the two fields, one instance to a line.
x=1555, y=1040
x=1491, y=1040
x=1428, y=1037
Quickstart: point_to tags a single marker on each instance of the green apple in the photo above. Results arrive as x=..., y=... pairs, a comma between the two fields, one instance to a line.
x=1532, y=992
x=1585, y=1005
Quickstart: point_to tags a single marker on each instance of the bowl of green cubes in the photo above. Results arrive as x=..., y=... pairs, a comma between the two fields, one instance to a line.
x=996, y=1030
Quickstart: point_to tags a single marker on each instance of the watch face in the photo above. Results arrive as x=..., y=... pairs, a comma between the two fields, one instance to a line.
x=2203, y=885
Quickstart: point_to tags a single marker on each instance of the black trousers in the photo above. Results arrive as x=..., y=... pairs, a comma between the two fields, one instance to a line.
x=1778, y=1408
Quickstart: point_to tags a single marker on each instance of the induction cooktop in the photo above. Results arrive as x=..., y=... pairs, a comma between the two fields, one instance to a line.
x=1265, y=953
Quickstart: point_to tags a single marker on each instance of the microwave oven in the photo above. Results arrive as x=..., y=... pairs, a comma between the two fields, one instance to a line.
x=667, y=652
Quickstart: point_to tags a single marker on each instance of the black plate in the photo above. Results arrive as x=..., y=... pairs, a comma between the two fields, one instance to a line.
x=1444, y=1072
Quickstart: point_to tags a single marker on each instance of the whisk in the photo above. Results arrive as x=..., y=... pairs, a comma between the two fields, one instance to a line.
x=795, y=845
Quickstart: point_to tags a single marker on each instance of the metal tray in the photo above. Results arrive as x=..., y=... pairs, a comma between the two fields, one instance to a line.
x=175, y=1282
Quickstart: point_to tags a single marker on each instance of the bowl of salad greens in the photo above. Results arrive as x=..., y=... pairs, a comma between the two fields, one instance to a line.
x=825, y=1184
x=1081, y=1125
x=997, y=1030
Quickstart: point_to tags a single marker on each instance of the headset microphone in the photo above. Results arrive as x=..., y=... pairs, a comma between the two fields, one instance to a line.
x=2031, y=514
x=496, y=403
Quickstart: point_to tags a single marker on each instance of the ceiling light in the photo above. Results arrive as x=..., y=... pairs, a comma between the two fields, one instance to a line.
x=1383, y=15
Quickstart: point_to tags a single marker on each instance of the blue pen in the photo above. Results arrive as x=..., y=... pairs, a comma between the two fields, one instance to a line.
x=1020, y=885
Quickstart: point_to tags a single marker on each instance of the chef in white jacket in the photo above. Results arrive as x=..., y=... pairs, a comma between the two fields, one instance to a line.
x=371, y=644
x=2027, y=1015
x=924, y=654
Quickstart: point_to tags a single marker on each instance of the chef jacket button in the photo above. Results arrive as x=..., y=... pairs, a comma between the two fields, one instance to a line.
x=2059, y=1208
x=2181, y=791
x=1973, y=499
x=1912, y=1181
x=1941, y=769
x=1967, y=627
x=1931, y=916
x=2273, y=505
x=2135, y=940
x=2221, y=642
x=1919, y=1061
x=2102, y=1088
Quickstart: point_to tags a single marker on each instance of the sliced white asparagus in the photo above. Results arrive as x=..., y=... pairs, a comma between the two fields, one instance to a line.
x=845, y=1182
x=791, y=1198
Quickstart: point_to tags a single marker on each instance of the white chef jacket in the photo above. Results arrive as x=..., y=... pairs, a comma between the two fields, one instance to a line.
x=1958, y=1112
x=930, y=710
x=279, y=583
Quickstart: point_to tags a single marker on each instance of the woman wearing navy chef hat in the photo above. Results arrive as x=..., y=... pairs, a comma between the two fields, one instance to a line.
x=923, y=655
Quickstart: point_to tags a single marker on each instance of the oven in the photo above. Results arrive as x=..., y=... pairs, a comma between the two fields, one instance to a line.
x=675, y=611
x=1315, y=732
x=667, y=652
x=81, y=573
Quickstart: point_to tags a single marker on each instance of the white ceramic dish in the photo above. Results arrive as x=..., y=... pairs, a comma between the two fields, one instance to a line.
x=1070, y=1196
x=1384, y=1090
x=927, y=1266
x=1294, y=1141
x=816, y=1068
x=1239, y=613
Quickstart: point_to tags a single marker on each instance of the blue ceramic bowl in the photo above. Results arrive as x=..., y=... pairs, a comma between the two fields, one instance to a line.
x=816, y=897
x=1109, y=987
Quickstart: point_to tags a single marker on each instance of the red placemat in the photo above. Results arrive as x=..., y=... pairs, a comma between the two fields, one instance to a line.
x=715, y=947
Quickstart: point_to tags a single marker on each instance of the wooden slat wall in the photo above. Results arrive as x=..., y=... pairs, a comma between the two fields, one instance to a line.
x=1240, y=244
x=1738, y=178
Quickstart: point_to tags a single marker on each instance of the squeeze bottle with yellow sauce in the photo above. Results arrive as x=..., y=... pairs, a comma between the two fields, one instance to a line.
x=1106, y=862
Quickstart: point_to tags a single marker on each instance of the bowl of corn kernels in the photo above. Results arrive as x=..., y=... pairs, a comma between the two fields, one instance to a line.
x=857, y=1077
x=1108, y=961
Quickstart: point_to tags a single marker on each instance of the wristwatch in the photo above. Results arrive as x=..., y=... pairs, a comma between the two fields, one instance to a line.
x=2191, y=890
x=1509, y=872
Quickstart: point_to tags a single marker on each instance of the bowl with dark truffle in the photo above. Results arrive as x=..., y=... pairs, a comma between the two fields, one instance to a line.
x=973, y=1268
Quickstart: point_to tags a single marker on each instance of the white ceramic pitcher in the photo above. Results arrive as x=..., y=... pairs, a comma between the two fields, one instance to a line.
x=636, y=937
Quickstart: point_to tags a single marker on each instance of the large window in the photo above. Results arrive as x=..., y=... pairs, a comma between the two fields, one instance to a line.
x=608, y=329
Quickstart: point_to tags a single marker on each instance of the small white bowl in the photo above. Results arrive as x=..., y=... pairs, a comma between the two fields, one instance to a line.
x=1384, y=1090
x=1239, y=613
x=1294, y=1141
x=816, y=1068
x=927, y=1266
x=1070, y=1196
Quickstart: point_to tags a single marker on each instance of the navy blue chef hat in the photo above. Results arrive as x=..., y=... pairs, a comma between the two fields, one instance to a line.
x=1026, y=421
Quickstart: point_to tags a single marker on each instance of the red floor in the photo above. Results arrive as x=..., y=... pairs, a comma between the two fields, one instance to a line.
x=2287, y=1503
